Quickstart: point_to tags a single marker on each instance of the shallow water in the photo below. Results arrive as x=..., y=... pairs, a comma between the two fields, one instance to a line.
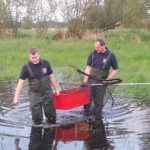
x=125, y=126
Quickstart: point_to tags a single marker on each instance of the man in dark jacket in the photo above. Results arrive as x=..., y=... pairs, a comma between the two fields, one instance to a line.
x=99, y=63
x=40, y=76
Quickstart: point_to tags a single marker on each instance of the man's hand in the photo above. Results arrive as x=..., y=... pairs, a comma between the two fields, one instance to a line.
x=57, y=93
x=83, y=85
x=15, y=101
x=109, y=78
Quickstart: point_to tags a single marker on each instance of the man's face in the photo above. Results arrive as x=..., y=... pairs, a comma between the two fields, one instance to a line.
x=34, y=58
x=99, y=48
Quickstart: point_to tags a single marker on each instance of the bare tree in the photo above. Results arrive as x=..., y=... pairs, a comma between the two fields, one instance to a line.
x=41, y=12
x=94, y=15
x=4, y=20
x=15, y=11
x=73, y=14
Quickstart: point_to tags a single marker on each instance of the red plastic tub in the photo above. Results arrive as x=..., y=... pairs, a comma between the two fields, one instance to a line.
x=72, y=98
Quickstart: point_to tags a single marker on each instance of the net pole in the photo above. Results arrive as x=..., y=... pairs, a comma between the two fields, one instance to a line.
x=121, y=84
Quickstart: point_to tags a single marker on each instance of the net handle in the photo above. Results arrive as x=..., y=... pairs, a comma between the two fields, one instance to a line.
x=103, y=81
x=112, y=81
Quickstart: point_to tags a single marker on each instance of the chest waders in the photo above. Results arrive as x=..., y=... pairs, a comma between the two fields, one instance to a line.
x=98, y=92
x=41, y=98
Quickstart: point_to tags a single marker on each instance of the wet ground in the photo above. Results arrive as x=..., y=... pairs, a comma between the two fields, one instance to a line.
x=125, y=126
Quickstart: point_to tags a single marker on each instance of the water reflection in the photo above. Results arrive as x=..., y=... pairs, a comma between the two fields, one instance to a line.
x=91, y=133
x=17, y=141
x=97, y=136
x=42, y=138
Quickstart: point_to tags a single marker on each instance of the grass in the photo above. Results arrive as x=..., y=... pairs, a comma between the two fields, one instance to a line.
x=131, y=47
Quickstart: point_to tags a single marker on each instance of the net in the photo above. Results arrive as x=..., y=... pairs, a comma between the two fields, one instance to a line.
x=66, y=86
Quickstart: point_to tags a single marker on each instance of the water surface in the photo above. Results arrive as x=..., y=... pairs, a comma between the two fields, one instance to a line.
x=125, y=126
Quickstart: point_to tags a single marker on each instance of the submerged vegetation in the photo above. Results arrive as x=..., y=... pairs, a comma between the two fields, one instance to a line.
x=131, y=47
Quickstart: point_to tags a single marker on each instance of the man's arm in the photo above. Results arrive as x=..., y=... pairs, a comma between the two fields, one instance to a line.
x=87, y=71
x=18, y=91
x=53, y=82
x=112, y=74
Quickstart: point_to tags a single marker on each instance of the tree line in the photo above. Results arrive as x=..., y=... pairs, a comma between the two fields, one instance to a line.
x=77, y=15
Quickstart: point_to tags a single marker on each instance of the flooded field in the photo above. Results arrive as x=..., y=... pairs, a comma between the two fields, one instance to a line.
x=125, y=126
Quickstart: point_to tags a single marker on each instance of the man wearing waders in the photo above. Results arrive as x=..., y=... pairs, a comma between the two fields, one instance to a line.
x=40, y=76
x=99, y=63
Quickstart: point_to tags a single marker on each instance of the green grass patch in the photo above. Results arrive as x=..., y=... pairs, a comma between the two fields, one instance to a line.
x=131, y=47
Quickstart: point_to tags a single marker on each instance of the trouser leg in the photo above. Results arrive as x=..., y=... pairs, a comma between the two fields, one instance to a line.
x=50, y=111
x=98, y=98
x=36, y=111
x=87, y=107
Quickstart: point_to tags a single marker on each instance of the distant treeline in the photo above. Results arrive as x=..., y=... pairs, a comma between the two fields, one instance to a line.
x=77, y=16
x=50, y=24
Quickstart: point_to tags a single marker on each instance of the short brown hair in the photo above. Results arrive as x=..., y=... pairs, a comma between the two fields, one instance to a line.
x=33, y=51
x=101, y=42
